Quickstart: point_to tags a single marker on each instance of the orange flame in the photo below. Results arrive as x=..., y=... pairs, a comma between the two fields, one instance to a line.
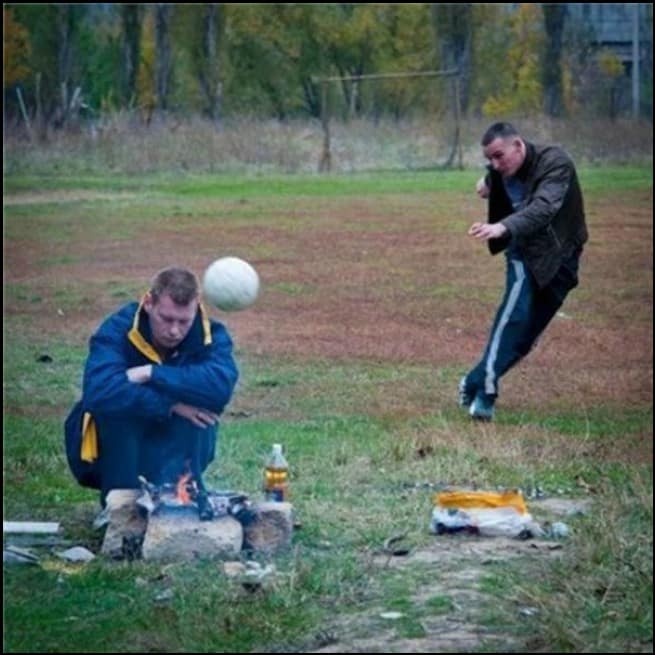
x=181, y=489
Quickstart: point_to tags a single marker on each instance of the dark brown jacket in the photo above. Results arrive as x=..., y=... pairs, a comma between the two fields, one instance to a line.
x=550, y=224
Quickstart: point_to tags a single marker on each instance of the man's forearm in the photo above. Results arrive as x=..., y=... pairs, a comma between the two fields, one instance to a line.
x=209, y=384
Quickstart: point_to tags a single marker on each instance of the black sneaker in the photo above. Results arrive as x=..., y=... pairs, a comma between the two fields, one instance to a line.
x=482, y=408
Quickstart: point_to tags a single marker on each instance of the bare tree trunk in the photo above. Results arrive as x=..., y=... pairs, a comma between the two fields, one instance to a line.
x=40, y=119
x=163, y=13
x=64, y=32
x=312, y=95
x=209, y=66
x=65, y=26
x=457, y=136
x=131, y=17
x=635, y=61
x=554, y=19
x=452, y=25
x=23, y=111
x=346, y=91
x=354, y=100
x=325, y=163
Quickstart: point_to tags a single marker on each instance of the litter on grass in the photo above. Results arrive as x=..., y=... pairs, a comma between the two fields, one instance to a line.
x=487, y=513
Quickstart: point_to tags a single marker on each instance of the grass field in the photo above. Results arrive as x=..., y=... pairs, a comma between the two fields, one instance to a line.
x=373, y=304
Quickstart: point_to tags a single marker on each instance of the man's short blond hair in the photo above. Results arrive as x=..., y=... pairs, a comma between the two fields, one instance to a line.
x=178, y=283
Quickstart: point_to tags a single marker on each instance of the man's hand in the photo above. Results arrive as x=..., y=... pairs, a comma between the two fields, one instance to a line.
x=485, y=231
x=140, y=374
x=481, y=188
x=201, y=418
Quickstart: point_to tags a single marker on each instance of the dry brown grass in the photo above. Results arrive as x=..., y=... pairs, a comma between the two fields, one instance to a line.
x=120, y=143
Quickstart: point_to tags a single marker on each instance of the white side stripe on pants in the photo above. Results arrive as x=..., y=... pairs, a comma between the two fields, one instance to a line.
x=515, y=292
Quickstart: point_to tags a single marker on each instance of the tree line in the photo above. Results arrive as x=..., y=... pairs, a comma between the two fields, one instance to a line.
x=63, y=61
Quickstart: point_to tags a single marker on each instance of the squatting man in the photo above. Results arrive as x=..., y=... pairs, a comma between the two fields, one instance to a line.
x=536, y=216
x=158, y=375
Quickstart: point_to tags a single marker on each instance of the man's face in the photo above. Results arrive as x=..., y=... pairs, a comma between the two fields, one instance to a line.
x=169, y=322
x=505, y=155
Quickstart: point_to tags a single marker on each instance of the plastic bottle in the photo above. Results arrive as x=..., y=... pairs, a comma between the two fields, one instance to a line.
x=276, y=476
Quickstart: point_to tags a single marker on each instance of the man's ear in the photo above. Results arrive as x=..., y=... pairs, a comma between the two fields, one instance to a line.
x=148, y=302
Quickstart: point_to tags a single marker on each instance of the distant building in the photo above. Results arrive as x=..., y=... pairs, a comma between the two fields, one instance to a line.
x=612, y=26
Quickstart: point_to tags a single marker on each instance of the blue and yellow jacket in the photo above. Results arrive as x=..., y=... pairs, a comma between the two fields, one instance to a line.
x=201, y=372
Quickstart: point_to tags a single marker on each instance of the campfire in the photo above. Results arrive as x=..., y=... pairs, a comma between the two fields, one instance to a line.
x=189, y=494
x=184, y=488
x=183, y=519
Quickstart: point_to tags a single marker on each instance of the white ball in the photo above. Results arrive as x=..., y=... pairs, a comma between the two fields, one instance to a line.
x=230, y=284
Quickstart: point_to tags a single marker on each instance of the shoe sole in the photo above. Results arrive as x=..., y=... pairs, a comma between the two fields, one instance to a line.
x=485, y=419
x=477, y=416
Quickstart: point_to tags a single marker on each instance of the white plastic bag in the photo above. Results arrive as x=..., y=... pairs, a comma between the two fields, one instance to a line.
x=494, y=522
x=490, y=514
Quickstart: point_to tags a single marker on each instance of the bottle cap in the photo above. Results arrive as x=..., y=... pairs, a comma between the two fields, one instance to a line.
x=277, y=448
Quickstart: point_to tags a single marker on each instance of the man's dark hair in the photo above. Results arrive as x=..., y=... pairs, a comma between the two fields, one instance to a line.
x=498, y=131
x=179, y=283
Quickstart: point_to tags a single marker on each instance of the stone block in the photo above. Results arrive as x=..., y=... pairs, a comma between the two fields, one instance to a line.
x=176, y=533
x=269, y=527
x=126, y=526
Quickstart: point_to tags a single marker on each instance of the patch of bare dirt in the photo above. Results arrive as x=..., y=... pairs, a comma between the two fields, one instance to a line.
x=458, y=563
x=74, y=195
x=345, y=280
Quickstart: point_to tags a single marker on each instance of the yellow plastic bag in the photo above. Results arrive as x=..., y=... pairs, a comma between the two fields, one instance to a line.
x=481, y=500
